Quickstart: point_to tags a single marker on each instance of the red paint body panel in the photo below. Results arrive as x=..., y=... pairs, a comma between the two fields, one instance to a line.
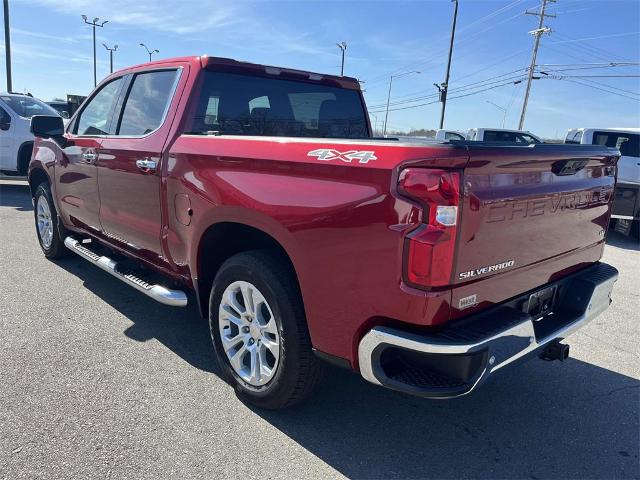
x=339, y=223
x=343, y=224
x=77, y=183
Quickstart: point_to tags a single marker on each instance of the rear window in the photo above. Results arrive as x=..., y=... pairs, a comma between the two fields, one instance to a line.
x=627, y=143
x=574, y=137
x=510, y=137
x=235, y=104
x=453, y=136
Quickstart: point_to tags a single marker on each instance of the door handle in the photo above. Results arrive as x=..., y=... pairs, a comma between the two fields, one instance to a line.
x=89, y=157
x=146, y=165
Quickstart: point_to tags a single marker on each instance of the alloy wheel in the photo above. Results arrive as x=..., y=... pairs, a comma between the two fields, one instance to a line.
x=249, y=333
x=45, y=222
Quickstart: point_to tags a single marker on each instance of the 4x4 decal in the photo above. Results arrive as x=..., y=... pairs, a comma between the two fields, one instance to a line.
x=328, y=154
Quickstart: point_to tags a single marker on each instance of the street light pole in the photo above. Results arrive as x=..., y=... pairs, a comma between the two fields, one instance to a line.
x=150, y=52
x=111, y=50
x=504, y=111
x=7, y=44
x=342, y=46
x=94, y=24
x=386, y=114
x=445, y=86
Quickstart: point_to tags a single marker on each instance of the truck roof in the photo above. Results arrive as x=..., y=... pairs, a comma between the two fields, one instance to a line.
x=500, y=129
x=611, y=129
x=207, y=61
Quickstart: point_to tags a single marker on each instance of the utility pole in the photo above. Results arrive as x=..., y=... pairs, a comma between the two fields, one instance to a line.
x=150, y=52
x=537, y=33
x=94, y=24
x=342, y=46
x=443, y=88
x=386, y=115
x=7, y=44
x=111, y=50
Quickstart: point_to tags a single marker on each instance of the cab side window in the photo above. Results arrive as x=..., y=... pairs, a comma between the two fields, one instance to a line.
x=147, y=102
x=5, y=119
x=95, y=118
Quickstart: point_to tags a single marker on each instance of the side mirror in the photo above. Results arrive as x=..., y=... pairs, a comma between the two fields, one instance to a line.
x=5, y=125
x=44, y=126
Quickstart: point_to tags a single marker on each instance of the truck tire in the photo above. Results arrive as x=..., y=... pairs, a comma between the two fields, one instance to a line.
x=259, y=331
x=47, y=228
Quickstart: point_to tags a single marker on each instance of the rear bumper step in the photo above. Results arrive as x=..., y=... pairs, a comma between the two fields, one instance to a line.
x=167, y=296
x=462, y=356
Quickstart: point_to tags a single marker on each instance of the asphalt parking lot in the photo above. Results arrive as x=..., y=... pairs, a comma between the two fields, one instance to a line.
x=97, y=381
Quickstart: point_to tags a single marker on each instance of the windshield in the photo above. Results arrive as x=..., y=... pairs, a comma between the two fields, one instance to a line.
x=28, y=107
x=235, y=104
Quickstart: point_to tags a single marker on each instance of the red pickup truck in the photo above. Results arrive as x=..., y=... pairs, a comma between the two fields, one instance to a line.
x=425, y=267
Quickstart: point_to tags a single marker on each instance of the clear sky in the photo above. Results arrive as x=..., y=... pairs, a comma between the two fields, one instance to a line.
x=52, y=52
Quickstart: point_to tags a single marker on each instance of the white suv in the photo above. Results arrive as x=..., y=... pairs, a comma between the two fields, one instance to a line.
x=16, y=141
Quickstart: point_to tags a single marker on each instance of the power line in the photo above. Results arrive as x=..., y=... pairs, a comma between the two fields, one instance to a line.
x=593, y=50
x=596, y=38
x=563, y=51
x=486, y=81
x=593, y=76
x=580, y=57
x=612, y=87
x=381, y=79
x=601, y=64
x=597, y=88
x=570, y=67
x=502, y=60
x=513, y=79
x=450, y=98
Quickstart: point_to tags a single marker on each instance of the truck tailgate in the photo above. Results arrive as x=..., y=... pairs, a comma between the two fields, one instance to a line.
x=525, y=205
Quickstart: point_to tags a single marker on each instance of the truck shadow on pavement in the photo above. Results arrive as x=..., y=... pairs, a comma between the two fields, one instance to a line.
x=538, y=420
x=16, y=196
x=619, y=240
x=181, y=330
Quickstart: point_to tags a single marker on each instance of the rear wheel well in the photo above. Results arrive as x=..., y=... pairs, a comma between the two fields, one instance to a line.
x=223, y=240
x=37, y=177
x=24, y=157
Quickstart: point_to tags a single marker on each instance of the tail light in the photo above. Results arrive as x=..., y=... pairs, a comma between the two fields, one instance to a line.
x=429, y=249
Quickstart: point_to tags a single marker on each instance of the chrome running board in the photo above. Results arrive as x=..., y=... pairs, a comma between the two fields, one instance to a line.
x=167, y=296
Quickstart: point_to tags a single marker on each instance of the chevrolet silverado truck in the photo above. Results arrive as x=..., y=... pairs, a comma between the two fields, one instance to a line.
x=425, y=267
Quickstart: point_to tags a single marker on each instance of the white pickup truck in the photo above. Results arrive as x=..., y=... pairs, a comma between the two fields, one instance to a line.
x=489, y=135
x=626, y=204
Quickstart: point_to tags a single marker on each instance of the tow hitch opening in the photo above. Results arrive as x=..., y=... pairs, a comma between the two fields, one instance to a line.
x=555, y=351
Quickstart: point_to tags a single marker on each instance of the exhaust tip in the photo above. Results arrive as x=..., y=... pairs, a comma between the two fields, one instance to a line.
x=555, y=351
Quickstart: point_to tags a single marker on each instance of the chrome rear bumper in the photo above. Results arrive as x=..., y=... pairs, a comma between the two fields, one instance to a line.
x=461, y=357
